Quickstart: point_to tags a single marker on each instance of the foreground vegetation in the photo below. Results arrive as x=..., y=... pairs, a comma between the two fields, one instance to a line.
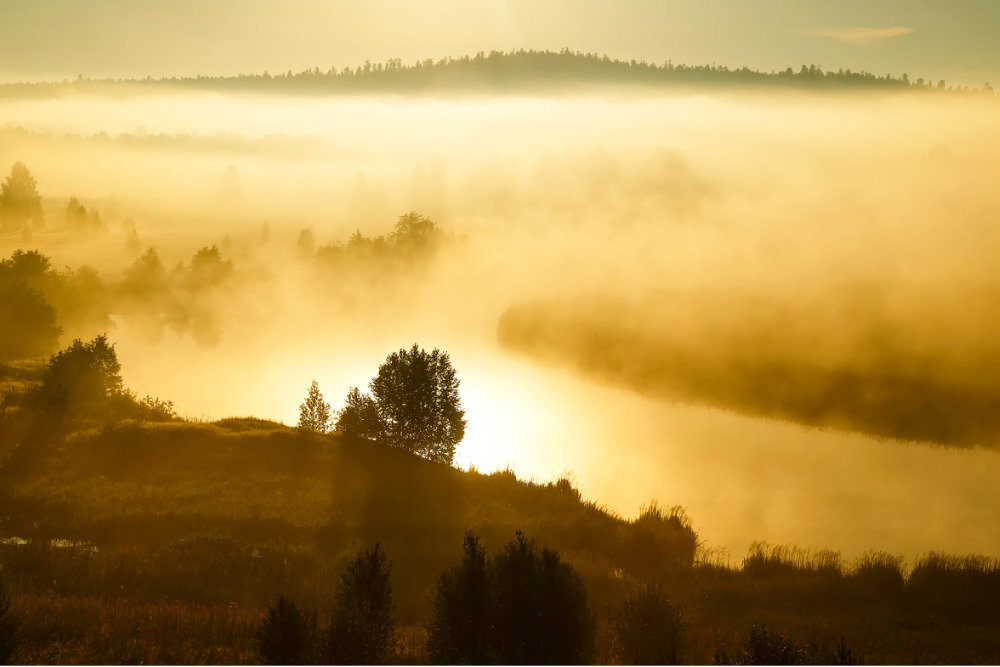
x=131, y=540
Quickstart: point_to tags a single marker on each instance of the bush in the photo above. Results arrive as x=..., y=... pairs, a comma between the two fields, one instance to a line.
x=362, y=630
x=8, y=629
x=156, y=410
x=647, y=630
x=84, y=379
x=660, y=541
x=286, y=635
x=965, y=588
x=879, y=573
x=761, y=647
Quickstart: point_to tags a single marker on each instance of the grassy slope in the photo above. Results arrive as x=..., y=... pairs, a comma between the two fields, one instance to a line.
x=185, y=531
x=198, y=526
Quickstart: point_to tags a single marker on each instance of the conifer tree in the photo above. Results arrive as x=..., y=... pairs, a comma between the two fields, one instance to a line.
x=314, y=412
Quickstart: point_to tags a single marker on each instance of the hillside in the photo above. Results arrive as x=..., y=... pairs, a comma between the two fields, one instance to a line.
x=498, y=72
x=164, y=542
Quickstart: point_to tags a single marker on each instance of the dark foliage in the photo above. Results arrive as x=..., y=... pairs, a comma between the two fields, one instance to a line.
x=19, y=199
x=418, y=403
x=647, y=630
x=8, y=629
x=413, y=238
x=661, y=541
x=359, y=419
x=880, y=574
x=524, y=606
x=963, y=588
x=517, y=71
x=761, y=647
x=314, y=412
x=27, y=322
x=83, y=380
x=73, y=300
x=362, y=629
x=461, y=630
x=286, y=635
x=207, y=268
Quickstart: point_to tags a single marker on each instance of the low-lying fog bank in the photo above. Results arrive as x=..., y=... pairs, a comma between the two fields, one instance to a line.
x=781, y=198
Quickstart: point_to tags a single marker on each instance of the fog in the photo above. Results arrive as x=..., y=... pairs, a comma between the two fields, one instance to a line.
x=783, y=196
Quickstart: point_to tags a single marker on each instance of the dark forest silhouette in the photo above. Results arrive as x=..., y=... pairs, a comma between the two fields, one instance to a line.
x=544, y=72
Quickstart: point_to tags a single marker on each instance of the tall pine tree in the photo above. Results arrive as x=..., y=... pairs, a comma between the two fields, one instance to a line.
x=314, y=412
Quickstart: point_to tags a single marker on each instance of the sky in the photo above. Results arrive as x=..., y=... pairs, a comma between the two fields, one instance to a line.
x=954, y=40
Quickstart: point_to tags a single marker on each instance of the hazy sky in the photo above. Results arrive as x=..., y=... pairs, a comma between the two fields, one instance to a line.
x=43, y=39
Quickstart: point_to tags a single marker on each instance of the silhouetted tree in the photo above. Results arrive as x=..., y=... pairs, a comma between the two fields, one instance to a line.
x=647, y=630
x=362, y=630
x=314, y=412
x=461, y=631
x=19, y=199
x=27, y=322
x=523, y=606
x=541, y=607
x=359, y=418
x=84, y=379
x=286, y=635
x=207, y=267
x=96, y=224
x=29, y=266
x=414, y=231
x=418, y=403
x=147, y=274
x=132, y=242
x=27, y=319
x=8, y=628
x=72, y=206
x=306, y=242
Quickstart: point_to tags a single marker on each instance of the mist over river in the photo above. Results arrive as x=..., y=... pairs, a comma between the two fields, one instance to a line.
x=778, y=195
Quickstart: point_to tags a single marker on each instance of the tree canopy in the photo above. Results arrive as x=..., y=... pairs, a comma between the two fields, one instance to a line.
x=523, y=606
x=314, y=412
x=415, y=405
x=19, y=199
x=84, y=379
x=362, y=629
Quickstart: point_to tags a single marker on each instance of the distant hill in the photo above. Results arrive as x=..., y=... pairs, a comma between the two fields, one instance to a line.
x=499, y=72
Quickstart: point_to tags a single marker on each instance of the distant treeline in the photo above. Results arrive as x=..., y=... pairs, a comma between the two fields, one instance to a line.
x=503, y=71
